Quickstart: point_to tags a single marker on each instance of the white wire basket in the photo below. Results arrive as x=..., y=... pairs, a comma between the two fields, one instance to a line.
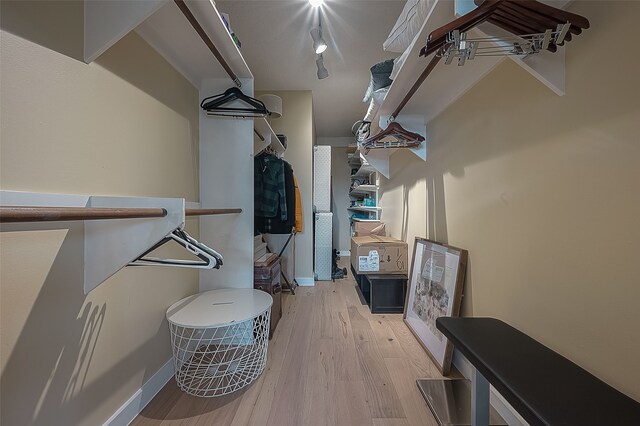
x=226, y=356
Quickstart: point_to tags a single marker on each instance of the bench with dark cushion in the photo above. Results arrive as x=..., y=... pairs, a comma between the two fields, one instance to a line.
x=542, y=385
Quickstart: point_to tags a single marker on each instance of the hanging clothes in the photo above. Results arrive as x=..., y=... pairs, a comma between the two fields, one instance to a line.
x=269, y=187
x=275, y=225
x=298, y=206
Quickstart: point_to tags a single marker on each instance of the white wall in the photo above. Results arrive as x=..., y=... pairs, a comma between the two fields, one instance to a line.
x=124, y=125
x=226, y=181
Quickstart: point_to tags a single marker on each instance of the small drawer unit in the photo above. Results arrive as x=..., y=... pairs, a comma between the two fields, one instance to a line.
x=385, y=294
x=266, y=277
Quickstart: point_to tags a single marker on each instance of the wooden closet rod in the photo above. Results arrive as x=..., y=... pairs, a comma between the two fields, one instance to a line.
x=14, y=214
x=49, y=214
x=206, y=212
x=432, y=64
x=203, y=35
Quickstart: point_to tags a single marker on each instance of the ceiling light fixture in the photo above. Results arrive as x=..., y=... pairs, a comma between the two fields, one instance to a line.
x=319, y=45
x=322, y=71
x=316, y=3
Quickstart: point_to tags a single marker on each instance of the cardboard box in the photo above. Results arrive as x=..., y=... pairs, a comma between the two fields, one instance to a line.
x=375, y=254
x=363, y=229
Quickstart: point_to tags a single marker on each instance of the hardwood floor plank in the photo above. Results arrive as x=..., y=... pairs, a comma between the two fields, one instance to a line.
x=390, y=422
x=344, y=348
x=381, y=395
x=351, y=405
x=413, y=351
x=258, y=399
x=318, y=408
x=288, y=394
x=404, y=380
x=386, y=340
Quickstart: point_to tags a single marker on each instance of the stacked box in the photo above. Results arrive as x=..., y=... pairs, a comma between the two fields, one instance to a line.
x=266, y=277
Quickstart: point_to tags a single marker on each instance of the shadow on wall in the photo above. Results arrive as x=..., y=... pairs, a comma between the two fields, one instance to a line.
x=40, y=22
x=44, y=381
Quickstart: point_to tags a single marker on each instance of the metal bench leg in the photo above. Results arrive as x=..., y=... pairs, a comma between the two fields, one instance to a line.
x=479, y=399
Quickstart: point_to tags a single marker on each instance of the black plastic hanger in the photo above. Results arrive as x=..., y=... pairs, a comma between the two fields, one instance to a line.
x=214, y=105
x=209, y=258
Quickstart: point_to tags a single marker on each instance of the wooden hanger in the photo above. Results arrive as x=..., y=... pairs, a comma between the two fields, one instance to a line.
x=396, y=137
x=519, y=17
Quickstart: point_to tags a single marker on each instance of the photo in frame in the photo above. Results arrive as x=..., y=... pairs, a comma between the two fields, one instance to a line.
x=435, y=290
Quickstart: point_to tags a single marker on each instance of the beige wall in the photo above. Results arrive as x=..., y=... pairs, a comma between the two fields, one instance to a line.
x=543, y=192
x=124, y=125
x=296, y=122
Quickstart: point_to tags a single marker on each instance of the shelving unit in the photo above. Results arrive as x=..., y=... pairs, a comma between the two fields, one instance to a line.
x=164, y=26
x=364, y=183
x=364, y=190
x=446, y=83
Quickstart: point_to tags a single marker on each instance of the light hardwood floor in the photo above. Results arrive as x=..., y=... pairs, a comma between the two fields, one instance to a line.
x=330, y=362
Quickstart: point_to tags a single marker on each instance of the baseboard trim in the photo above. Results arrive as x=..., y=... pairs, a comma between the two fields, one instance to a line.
x=134, y=405
x=305, y=281
x=508, y=413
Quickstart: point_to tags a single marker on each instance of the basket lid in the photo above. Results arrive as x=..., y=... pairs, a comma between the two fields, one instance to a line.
x=217, y=308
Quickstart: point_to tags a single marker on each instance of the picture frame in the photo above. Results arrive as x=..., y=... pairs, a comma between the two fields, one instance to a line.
x=435, y=288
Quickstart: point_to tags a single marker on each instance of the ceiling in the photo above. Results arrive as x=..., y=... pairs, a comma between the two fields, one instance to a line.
x=278, y=49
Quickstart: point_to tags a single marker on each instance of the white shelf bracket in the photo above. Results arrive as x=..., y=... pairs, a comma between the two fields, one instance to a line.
x=415, y=123
x=547, y=67
x=109, y=245
x=107, y=21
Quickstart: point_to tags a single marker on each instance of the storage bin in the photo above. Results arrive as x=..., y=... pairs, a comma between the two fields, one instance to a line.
x=219, y=340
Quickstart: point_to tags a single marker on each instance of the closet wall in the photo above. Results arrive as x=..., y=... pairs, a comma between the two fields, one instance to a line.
x=543, y=192
x=297, y=123
x=126, y=124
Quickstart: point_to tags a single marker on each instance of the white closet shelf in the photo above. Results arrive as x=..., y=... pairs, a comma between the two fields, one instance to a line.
x=167, y=30
x=365, y=209
x=446, y=83
x=267, y=137
x=363, y=190
x=364, y=171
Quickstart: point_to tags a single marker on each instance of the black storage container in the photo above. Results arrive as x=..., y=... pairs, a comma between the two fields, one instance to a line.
x=384, y=294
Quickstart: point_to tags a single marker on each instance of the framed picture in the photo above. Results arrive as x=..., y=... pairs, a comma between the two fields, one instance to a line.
x=435, y=290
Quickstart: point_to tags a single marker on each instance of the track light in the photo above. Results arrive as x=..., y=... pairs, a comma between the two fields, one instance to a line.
x=316, y=3
x=319, y=45
x=322, y=71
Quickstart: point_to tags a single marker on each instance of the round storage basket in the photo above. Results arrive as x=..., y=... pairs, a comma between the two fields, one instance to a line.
x=219, y=340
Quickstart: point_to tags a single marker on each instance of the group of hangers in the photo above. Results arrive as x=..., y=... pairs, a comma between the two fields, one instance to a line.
x=519, y=17
x=393, y=136
x=217, y=105
x=209, y=258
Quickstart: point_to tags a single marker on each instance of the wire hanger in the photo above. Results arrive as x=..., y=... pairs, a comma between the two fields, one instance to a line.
x=214, y=105
x=394, y=136
x=209, y=258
